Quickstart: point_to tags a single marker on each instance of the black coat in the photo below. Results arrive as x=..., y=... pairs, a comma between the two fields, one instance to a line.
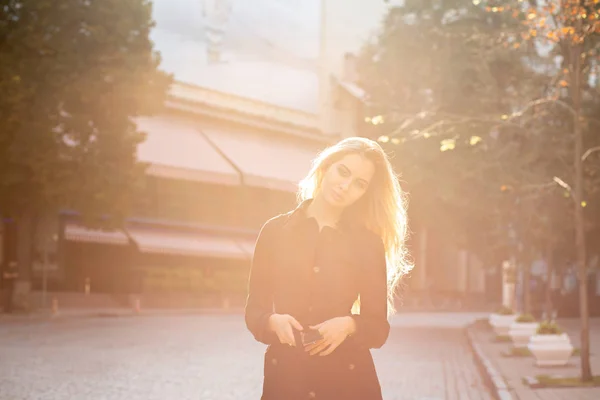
x=315, y=276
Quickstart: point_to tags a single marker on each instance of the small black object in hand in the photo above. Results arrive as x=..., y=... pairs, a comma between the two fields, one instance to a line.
x=310, y=336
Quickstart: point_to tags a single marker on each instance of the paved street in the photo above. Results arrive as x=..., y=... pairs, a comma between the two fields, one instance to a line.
x=208, y=357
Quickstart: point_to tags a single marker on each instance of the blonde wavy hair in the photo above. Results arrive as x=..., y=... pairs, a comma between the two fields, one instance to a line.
x=382, y=209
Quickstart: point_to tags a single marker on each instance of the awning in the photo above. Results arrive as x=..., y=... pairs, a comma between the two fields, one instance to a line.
x=200, y=244
x=247, y=244
x=175, y=149
x=266, y=161
x=78, y=233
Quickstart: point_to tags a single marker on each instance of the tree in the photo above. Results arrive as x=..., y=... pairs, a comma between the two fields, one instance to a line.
x=440, y=84
x=73, y=74
x=573, y=27
x=526, y=113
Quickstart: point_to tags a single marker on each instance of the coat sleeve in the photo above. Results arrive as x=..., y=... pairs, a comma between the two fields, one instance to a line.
x=372, y=326
x=259, y=303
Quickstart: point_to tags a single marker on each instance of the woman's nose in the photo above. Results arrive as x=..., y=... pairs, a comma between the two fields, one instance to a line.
x=345, y=185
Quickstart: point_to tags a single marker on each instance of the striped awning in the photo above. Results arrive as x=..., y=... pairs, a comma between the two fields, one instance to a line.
x=175, y=149
x=199, y=244
x=247, y=244
x=78, y=233
x=271, y=162
x=168, y=241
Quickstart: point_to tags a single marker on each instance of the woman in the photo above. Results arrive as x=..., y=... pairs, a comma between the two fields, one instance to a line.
x=329, y=269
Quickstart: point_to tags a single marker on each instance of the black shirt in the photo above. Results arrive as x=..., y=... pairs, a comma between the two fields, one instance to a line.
x=315, y=275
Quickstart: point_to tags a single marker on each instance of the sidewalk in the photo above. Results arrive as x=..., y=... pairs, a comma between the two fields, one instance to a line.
x=411, y=317
x=71, y=313
x=507, y=373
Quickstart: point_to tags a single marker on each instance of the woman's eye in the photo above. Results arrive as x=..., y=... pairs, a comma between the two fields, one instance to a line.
x=342, y=171
x=360, y=185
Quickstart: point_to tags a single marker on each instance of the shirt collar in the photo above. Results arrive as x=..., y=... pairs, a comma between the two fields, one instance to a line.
x=299, y=214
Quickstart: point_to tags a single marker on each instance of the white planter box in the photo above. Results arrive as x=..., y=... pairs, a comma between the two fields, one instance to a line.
x=502, y=323
x=494, y=316
x=520, y=332
x=551, y=350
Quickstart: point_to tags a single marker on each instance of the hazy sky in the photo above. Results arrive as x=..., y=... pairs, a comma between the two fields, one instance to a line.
x=270, y=47
x=284, y=25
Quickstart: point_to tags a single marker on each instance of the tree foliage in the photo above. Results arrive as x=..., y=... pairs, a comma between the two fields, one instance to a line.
x=442, y=85
x=489, y=107
x=465, y=101
x=73, y=74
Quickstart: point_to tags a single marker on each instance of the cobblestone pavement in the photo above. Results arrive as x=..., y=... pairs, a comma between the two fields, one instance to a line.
x=205, y=357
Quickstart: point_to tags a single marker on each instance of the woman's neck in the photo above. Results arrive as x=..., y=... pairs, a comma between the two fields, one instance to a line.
x=323, y=212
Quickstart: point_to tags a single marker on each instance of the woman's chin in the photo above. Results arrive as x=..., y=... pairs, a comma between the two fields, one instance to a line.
x=334, y=201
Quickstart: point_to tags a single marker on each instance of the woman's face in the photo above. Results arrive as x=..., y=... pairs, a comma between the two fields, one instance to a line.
x=347, y=180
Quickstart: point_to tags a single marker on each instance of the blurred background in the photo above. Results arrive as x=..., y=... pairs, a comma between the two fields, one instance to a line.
x=144, y=143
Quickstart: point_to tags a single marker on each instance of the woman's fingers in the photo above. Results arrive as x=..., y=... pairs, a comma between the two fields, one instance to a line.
x=295, y=323
x=317, y=327
x=331, y=348
x=311, y=346
x=282, y=338
x=285, y=335
x=320, y=346
x=325, y=346
x=284, y=329
x=290, y=336
x=287, y=339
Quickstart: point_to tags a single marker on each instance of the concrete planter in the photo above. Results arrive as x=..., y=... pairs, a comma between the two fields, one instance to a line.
x=502, y=323
x=551, y=350
x=521, y=332
x=494, y=316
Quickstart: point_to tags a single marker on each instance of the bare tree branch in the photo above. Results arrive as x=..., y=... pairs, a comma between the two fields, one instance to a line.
x=454, y=119
x=589, y=152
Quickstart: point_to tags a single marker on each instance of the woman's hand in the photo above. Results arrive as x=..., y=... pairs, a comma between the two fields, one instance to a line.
x=283, y=325
x=334, y=332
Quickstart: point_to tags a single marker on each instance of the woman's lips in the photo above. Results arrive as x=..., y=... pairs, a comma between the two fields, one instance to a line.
x=336, y=196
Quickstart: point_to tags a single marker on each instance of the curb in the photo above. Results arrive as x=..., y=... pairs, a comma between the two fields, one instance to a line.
x=491, y=376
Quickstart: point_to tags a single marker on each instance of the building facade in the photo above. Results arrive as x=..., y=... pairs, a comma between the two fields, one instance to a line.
x=240, y=129
x=260, y=88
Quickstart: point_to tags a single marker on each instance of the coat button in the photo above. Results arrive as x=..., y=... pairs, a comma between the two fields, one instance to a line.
x=316, y=270
x=274, y=361
x=351, y=367
x=312, y=395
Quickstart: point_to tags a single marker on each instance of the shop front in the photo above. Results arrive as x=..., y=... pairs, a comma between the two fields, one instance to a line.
x=164, y=264
x=190, y=241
